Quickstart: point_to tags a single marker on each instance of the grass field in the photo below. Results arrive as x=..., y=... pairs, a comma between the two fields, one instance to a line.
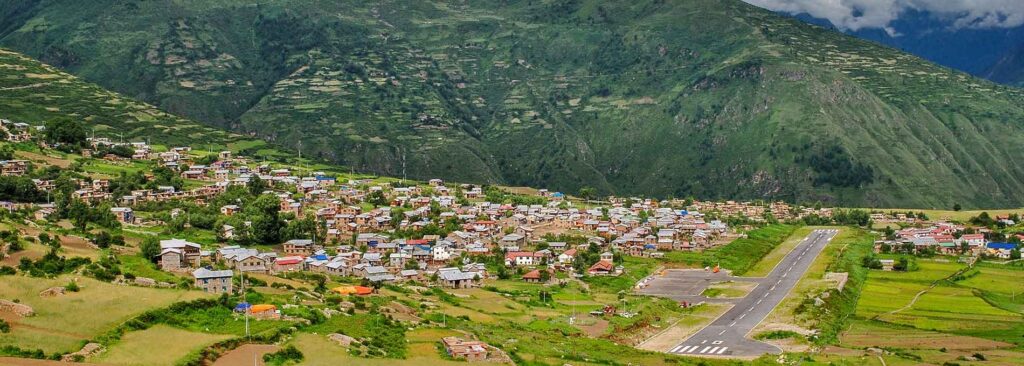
x=318, y=350
x=61, y=323
x=159, y=345
x=768, y=262
x=785, y=316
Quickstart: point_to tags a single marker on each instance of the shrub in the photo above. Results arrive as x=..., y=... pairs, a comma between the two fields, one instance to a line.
x=287, y=355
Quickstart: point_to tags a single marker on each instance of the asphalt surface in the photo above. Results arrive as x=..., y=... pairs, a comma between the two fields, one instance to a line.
x=727, y=335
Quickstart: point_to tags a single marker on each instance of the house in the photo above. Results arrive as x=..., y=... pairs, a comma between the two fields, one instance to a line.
x=13, y=167
x=468, y=350
x=522, y=259
x=228, y=210
x=512, y=240
x=451, y=277
x=124, y=215
x=292, y=263
x=534, y=276
x=887, y=264
x=604, y=268
x=1000, y=250
x=303, y=247
x=567, y=257
x=176, y=254
x=214, y=282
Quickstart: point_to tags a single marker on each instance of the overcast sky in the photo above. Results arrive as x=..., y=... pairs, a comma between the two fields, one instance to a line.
x=858, y=14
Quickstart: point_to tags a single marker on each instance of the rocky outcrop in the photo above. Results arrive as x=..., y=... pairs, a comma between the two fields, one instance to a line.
x=7, y=306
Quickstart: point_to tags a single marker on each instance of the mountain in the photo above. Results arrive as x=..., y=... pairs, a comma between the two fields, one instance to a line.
x=935, y=38
x=1009, y=69
x=705, y=98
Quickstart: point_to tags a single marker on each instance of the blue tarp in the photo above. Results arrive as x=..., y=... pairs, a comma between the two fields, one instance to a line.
x=1007, y=246
x=242, y=306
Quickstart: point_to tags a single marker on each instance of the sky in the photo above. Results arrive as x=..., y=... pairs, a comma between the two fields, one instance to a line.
x=854, y=15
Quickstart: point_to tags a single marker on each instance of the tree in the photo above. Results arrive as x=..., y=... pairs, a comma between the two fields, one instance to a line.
x=256, y=185
x=150, y=248
x=266, y=222
x=65, y=131
x=545, y=276
x=588, y=193
x=957, y=207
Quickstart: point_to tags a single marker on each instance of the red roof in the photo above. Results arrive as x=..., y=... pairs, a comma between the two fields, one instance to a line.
x=416, y=241
x=288, y=260
x=601, y=266
x=532, y=275
x=514, y=255
x=570, y=252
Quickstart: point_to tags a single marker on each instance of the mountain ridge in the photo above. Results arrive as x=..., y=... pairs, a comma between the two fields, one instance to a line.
x=697, y=98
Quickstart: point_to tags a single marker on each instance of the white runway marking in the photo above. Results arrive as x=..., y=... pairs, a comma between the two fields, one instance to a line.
x=705, y=349
x=721, y=351
x=675, y=350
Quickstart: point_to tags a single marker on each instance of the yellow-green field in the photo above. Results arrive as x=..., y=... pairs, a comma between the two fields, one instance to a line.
x=61, y=323
x=318, y=350
x=766, y=264
x=159, y=345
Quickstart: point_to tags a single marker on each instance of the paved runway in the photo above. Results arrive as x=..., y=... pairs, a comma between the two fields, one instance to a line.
x=727, y=335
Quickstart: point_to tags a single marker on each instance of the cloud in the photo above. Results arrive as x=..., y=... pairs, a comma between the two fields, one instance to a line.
x=858, y=14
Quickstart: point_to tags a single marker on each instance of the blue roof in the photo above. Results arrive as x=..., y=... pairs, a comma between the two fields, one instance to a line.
x=324, y=177
x=557, y=194
x=1007, y=246
x=242, y=306
x=649, y=246
x=684, y=212
x=320, y=257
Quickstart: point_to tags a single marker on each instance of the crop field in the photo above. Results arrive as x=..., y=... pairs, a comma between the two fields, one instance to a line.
x=159, y=345
x=888, y=291
x=62, y=322
x=932, y=319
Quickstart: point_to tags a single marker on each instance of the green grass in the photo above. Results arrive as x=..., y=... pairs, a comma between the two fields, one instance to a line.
x=740, y=255
x=589, y=113
x=61, y=323
x=769, y=261
x=158, y=345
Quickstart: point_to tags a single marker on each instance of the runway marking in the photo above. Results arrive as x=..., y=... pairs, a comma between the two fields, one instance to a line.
x=676, y=350
x=706, y=341
x=743, y=316
x=721, y=351
x=705, y=349
x=771, y=289
x=733, y=323
x=759, y=301
x=722, y=332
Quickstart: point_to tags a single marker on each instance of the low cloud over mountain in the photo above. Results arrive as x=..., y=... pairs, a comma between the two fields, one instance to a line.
x=853, y=15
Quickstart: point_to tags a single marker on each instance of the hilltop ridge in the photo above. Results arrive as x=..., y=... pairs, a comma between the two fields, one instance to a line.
x=712, y=99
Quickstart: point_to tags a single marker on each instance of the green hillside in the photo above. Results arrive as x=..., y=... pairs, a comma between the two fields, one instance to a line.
x=705, y=98
x=37, y=93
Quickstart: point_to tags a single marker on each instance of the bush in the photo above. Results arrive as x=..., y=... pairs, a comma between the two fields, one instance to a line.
x=4, y=326
x=287, y=355
x=7, y=270
x=72, y=287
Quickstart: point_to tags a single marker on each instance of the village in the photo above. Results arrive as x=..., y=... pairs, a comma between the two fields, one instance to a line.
x=222, y=223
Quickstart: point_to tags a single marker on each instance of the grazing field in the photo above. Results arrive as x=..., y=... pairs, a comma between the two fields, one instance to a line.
x=320, y=351
x=157, y=346
x=62, y=322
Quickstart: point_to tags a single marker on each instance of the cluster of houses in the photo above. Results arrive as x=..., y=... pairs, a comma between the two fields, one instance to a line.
x=948, y=239
x=756, y=212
